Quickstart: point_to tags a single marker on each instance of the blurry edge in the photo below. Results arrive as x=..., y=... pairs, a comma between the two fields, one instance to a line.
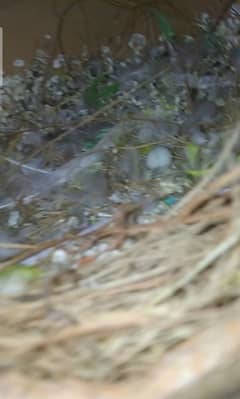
x=1, y=61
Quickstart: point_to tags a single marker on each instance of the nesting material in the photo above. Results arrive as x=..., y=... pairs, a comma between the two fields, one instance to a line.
x=125, y=314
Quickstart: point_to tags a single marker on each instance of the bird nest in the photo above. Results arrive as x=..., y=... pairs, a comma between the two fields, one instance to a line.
x=126, y=312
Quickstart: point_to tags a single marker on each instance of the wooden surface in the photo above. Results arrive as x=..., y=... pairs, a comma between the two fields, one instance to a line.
x=25, y=22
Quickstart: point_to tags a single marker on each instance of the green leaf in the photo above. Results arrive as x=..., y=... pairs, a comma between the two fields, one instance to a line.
x=91, y=95
x=21, y=270
x=145, y=149
x=109, y=90
x=197, y=173
x=192, y=153
x=164, y=25
x=15, y=279
x=99, y=92
x=212, y=40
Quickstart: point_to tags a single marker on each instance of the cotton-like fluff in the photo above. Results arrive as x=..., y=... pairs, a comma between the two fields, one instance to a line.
x=159, y=158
